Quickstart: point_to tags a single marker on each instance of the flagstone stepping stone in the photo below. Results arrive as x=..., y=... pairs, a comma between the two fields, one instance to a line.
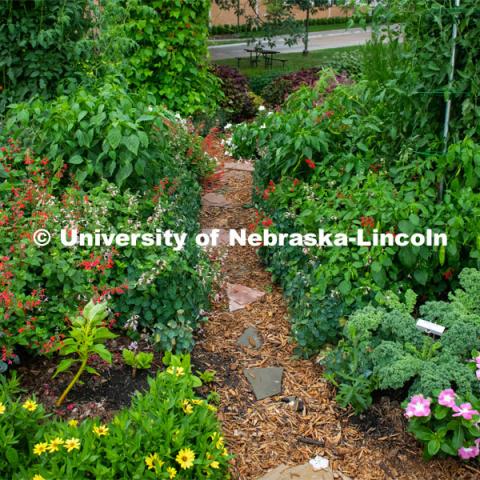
x=223, y=236
x=250, y=338
x=239, y=296
x=265, y=381
x=215, y=200
x=244, y=166
x=300, y=472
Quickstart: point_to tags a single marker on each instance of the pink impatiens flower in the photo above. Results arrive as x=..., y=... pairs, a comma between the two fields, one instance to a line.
x=468, y=452
x=447, y=398
x=419, y=406
x=465, y=410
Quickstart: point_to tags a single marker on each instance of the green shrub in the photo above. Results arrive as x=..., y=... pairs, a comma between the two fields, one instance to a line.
x=152, y=287
x=321, y=162
x=144, y=441
x=382, y=348
x=43, y=44
x=170, y=57
x=105, y=133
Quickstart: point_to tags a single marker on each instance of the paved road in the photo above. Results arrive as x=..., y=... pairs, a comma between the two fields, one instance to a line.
x=318, y=41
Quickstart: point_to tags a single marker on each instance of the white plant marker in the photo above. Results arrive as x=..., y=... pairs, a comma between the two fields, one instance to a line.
x=430, y=327
x=319, y=463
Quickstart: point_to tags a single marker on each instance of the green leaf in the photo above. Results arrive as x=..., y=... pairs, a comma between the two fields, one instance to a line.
x=76, y=160
x=64, y=365
x=114, y=137
x=12, y=456
x=132, y=143
x=123, y=173
x=433, y=447
x=102, y=352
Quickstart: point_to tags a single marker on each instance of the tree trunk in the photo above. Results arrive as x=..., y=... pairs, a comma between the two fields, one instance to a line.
x=305, y=38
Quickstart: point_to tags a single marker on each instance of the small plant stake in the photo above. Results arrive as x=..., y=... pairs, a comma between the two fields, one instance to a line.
x=430, y=327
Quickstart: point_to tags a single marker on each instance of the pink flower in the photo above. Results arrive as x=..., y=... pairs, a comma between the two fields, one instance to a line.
x=447, y=398
x=478, y=372
x=477, y=361
x=464, y=410
x=419, y=406
x=468, y=452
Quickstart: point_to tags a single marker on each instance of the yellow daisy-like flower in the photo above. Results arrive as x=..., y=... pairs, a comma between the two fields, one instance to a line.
x=73, y=423
x=212, y=408
x=187, y=407
x=215, y=464
x=30, y=405
x=38, y=477
x=153, y=461
x=217, y=439
x=225, y=452
x=72, y=444
x=185, y=458
x=178, y=371
x=54, y=445
x=171, y=472
x=40, y=448
x=2, y=408
x=196, y=401
x=100, y=431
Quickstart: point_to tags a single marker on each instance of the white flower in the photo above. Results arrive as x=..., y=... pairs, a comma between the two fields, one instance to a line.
x=227, y=126
x=263, y=126
x=150, y=108
x=269, y=113
x=261, y=108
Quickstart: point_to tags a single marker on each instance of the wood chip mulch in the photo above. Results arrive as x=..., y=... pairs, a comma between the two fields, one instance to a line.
x=264, y=434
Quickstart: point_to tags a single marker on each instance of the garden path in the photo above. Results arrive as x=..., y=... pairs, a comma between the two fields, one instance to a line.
x=303, y=421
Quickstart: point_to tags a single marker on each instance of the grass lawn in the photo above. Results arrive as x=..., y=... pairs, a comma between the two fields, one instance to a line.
x=296, y=61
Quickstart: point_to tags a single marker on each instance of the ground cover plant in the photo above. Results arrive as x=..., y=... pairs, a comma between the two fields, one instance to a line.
x=167, y=432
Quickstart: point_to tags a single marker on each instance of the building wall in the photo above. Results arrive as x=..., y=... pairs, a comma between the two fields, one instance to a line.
x=228, y=17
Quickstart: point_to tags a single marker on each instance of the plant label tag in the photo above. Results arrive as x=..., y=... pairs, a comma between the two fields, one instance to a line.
x=430, y=327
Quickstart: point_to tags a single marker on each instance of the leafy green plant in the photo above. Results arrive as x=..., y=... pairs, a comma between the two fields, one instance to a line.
x=446, y=424
x=107, y=133
x=382, y=348
x=169, y=58
x=168, y=431
x=140, y=360
x=87, y=337
x=44, y=43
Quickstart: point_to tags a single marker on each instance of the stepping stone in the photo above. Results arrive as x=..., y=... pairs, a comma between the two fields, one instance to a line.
x=223, y=236
x=244, y=166
x=215, y=200
x=250, y=338
x=300, y=472
x=265, y=382
x=239, y=296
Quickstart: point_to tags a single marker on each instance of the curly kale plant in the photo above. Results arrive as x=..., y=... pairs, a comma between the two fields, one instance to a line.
x=383, y=349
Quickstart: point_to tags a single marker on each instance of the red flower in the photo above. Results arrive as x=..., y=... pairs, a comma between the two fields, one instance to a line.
x=367, y=222
x=448, y=274
x=310, y=163
x=267, y=222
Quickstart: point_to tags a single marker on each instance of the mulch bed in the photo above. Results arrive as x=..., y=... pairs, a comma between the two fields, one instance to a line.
x=264, y=434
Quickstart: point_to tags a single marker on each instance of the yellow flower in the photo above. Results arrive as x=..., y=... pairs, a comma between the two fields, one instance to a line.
x=225, y=452
x=30, y=405
x=178, y=371
x=153, y=461
x=2, y=408
x=40, y=448
x=73, y=423
x=217, y=439
x=171, y=472
x=212, y=408
x=196, y=401
x=38, y=477
x=100, y=431
x=72, y=444
x=187, y=407
x=185, y=458
x=215, y=464
x=54, y=444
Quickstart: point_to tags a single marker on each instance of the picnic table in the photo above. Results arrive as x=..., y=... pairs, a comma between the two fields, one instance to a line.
x=268, y=56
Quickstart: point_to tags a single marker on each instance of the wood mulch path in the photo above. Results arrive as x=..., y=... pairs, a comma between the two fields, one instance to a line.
x=264, y=434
